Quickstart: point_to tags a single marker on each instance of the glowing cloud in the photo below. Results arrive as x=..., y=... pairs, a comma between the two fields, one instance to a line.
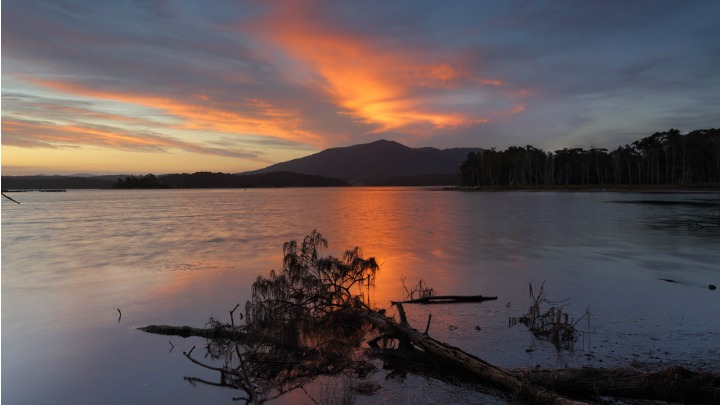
x=381, y=85
x=249, y=116
x=276, y=80
x=33, y=134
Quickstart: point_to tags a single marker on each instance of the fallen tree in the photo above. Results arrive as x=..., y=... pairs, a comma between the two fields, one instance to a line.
x=305, y=321
x=538, y=386
x=218, y=332
x=549, y=386
x=676, y=384
x=446, y=299
x=457, y=358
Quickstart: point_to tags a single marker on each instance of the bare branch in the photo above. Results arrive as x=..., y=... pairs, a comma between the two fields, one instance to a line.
x=3, y=194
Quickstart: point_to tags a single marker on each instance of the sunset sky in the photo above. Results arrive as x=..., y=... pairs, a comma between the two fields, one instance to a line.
x=161, y=86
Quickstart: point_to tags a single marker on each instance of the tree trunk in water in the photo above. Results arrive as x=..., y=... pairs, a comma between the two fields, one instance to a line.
x=456, y=357
x=549, y=386
x=186, y=331
x=446, y=299
x=672, y=384
x=536, y=386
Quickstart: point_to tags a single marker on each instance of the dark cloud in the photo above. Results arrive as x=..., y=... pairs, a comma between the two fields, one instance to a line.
x=249, y=75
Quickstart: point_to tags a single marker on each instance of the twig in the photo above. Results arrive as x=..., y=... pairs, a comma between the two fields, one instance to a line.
x=220, y=369
x=421, y=289
x=402, y=280
x=3, y=194
x=427, y=327
x=249, y=387
x=193, y=380
x=233, y=310
x=308, y=395
x=401, y=312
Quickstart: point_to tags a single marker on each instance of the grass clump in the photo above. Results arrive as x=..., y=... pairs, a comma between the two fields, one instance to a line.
x=549, y=321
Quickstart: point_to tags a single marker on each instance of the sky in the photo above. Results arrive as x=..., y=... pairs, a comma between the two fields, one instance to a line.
x=166, y=86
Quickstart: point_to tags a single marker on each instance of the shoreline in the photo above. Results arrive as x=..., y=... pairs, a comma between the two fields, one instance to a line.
x=647, y=188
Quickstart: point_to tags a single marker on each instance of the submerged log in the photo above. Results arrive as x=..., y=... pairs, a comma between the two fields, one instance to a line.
x=534, y=385
x=186, y=331
x=675, y=383
x=550, y=386
x=446, y=299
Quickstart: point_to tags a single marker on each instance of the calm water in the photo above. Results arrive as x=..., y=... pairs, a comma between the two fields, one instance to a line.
x=70, y=260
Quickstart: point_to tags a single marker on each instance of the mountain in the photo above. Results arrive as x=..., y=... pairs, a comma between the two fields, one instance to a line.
x=381, y=162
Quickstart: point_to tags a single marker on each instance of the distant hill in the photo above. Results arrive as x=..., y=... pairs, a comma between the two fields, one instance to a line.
x=381, y=163
x=184, y=180
x=56, y=182
x=225, y=180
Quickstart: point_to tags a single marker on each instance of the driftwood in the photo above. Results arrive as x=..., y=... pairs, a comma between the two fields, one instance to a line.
x=537, y=386
x=549, y=386
x=445, y=353
x=675, y=383
x=458, y=358
x=186, y=331
x=446, y=299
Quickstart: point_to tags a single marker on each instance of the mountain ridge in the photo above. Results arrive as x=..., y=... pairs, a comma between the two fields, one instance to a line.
x=381, y=162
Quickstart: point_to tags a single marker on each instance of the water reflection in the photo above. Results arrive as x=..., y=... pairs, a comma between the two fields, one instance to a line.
x=682, y=214
x=179, y=256
x=300, y=323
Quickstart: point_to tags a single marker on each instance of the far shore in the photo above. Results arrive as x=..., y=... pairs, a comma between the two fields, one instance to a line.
x=646, y=188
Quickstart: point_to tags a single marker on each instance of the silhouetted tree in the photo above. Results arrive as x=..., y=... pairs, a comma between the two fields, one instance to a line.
x=147, y=181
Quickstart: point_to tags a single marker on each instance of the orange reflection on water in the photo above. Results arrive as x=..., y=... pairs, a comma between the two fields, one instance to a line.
x=406, y=244
x=437, y=242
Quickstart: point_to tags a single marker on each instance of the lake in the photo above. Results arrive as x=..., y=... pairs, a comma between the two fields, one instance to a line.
x=71, y=260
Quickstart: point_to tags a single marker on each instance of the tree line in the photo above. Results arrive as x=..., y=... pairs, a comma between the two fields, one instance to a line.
x=661, y=158
x=146, y=181
x=227, y=180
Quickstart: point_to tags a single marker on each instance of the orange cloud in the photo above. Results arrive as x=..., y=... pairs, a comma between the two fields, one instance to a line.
x=250, y=116
x=336, y=84
x=28, y=134
x=32, y=133
x=382, y=87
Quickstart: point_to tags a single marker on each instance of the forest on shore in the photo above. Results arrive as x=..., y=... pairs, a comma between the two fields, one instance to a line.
x=227, y=180
x=663, y=158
